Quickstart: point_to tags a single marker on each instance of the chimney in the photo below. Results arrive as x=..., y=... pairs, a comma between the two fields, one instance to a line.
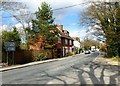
x=66, y=32
x=60, y=27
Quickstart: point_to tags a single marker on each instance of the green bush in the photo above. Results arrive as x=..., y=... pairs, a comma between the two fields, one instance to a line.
x=41, y=56
x=48, y=47
x=69, y=54
x=116, y=58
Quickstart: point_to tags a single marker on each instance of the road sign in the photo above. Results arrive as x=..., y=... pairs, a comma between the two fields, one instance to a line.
x=10, y=48
x=9, y=44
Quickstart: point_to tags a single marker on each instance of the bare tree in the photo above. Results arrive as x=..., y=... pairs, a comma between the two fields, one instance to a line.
x=21, y=13
x=107, y=13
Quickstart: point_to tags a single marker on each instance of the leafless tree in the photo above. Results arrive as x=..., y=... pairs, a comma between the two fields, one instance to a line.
x=21, y=13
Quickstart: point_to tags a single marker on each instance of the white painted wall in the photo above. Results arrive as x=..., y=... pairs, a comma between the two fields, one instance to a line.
x=76, y=44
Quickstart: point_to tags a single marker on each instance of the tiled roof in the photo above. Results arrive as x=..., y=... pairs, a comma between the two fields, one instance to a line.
x=64, y=36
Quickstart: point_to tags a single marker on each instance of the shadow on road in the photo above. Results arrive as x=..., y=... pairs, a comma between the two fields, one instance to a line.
x=96, y=73
x=113, y=76
x=89, y=73
x=56, y=78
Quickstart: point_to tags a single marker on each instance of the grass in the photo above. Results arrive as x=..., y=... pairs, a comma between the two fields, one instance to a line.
x=116, y=58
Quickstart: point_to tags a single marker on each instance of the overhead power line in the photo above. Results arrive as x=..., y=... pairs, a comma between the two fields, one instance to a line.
x=53, y=10
x=68, y=7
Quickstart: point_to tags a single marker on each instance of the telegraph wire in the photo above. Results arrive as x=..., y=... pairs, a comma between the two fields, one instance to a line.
x=68, y=7
x=53, y=10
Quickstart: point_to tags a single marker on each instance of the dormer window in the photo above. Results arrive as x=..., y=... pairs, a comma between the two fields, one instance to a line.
x=67, y=34
x=66, y=41
x=59, y=40
x=70, y=42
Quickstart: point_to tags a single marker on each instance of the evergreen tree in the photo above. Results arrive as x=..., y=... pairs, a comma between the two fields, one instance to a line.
x=44, y=25
x=11, y=36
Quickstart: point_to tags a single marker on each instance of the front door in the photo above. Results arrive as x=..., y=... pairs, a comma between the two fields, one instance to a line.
x=58, y=53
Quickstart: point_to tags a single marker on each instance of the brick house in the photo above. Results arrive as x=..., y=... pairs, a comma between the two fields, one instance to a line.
x=65, y=43
x=37, y=44
x=61, y=48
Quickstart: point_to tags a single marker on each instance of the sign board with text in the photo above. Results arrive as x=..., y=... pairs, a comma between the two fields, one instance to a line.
x=9, y=46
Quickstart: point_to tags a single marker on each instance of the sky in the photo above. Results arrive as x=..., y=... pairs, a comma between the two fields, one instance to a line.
x=69, y=17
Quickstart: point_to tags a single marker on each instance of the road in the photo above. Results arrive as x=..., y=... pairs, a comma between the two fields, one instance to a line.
x=66, y=71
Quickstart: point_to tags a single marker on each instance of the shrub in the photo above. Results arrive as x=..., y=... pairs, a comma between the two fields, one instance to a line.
x=116, y=58
x=69, y=53
x=41, y=56
x=48, y=47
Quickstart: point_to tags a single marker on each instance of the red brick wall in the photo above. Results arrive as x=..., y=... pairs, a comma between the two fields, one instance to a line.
x=60, y=27
x=37, y=44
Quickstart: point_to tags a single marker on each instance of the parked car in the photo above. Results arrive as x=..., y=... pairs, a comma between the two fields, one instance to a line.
x=87, y=52
x=93, y=50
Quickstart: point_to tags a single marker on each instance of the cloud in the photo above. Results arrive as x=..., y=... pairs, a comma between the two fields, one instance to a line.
x=81, y=34
x=74, y=24
x=6, y=28
x=13, y=19
x=60, y=14
x=3, y=28
x=20, y=28
x=18, y=25
x=55, y=4
x=59, y=17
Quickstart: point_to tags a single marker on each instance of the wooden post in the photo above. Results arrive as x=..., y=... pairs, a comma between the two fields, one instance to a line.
x=7, y=58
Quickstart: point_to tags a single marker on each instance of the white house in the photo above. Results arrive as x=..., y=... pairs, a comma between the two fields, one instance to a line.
x=76, y=45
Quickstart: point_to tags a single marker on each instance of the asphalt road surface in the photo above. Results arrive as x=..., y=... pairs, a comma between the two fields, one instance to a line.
x=78, y=69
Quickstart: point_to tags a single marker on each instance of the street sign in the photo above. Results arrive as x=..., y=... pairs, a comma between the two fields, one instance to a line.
x=9, y=46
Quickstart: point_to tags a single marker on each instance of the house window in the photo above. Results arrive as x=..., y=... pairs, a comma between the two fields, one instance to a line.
x=70, y=42
x=70, y=49
x=67, y=34
x=66, y=41
x=59, y=40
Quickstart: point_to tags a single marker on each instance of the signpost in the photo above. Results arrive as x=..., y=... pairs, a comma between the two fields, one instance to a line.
x=10, y=46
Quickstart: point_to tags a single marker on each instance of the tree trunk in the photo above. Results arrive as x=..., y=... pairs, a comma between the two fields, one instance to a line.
x=26, y=36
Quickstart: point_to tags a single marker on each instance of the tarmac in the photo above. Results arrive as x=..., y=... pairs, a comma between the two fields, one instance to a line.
x=32, y=63
x=99, y=59
x=100, y=70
